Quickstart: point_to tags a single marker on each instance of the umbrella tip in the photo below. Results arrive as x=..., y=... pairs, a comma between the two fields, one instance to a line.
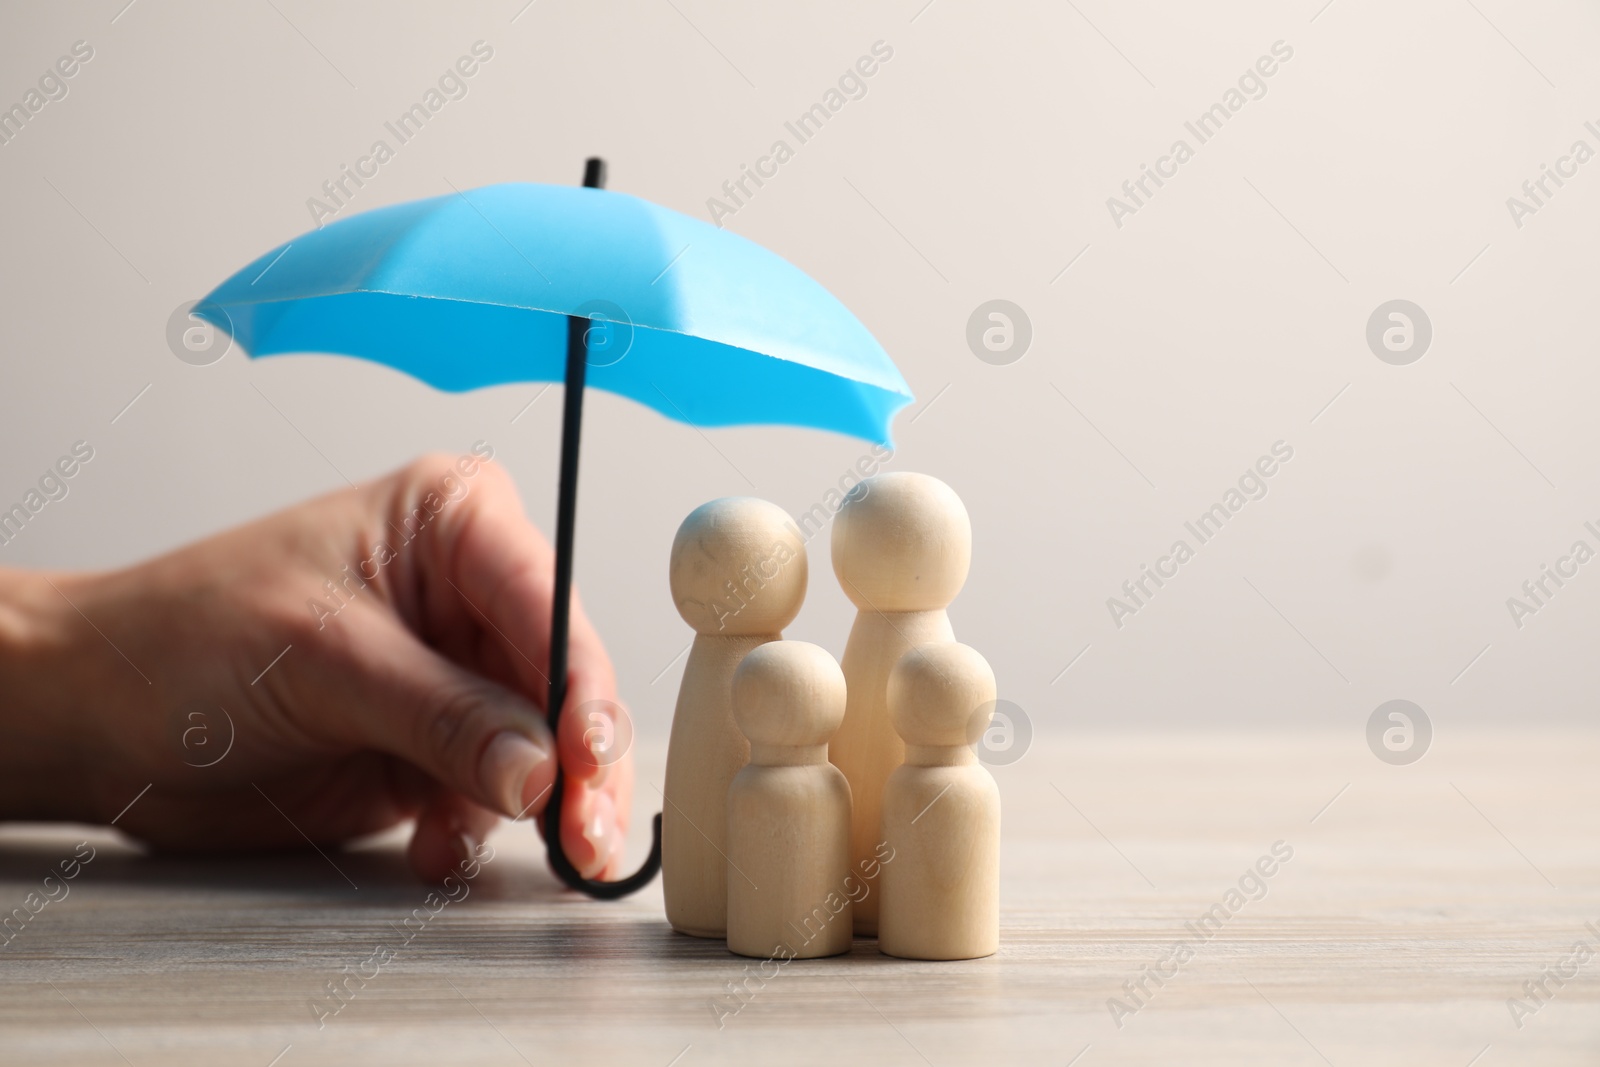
x=594, y=173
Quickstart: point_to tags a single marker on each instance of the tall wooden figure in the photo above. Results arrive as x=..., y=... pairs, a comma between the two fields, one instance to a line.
x=902, y=543
x=940, y=896
x=789, y=808
x=738, y=576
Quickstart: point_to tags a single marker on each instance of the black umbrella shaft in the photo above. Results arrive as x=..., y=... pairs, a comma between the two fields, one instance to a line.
x=566, y=514
x=594, y=177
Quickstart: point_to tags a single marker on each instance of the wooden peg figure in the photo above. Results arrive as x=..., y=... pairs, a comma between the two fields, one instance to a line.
x=738, y=576
x=902, y=544
x=789, y=808
x=940, y=895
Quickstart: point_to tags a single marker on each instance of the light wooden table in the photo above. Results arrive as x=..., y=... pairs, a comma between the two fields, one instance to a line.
x=1418, y=900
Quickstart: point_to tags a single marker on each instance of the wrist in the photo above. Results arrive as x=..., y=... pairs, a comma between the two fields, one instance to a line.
x=46, y=740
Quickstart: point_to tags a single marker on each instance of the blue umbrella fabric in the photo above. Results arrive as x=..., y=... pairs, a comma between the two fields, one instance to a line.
x=474, y=289
x=527, y=283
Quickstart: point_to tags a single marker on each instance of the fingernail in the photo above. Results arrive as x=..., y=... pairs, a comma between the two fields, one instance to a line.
x=464, y=848
x=515, y=770
x=599, y=757
x=600, y=830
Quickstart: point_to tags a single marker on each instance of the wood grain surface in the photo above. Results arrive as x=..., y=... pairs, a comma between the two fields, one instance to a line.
x=1417, y=901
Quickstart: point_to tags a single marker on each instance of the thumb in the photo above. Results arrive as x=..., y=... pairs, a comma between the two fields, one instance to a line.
x=470, y=734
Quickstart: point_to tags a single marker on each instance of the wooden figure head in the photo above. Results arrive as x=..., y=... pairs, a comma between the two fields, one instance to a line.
x=941, y=695
x=902, y=542
x=788, y=693
x=738, y=568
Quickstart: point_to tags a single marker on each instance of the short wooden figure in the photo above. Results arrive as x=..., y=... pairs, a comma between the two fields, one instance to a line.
x=738, y=576
x=902, y=544
x=940, y=894
x=789, y=808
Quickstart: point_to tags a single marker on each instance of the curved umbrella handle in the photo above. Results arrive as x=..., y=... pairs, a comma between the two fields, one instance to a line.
x=594, y=177
x=569, y=874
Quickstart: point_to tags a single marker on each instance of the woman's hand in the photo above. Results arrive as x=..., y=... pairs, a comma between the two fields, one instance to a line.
x=371, y=656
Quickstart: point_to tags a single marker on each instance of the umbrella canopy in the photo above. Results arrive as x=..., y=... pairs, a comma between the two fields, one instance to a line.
x=474, y=289
x=507, y=284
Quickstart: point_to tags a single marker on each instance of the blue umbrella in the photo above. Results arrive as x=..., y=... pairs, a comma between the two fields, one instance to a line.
x=542, y=283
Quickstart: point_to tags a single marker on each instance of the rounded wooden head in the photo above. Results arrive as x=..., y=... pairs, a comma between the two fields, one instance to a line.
x=902, y=542
x=941, y=694
x=788, y=693
x=738, y=568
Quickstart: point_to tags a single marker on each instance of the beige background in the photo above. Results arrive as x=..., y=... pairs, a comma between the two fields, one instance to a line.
x=1168, y=354
x=1222, y=317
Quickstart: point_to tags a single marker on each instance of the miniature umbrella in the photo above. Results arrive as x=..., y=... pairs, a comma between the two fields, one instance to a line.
x=545, y=283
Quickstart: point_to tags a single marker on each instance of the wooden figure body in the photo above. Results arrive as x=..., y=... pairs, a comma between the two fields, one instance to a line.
x=789, y=808
x=738, y=576
x=940, y=895
x=902, y=544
